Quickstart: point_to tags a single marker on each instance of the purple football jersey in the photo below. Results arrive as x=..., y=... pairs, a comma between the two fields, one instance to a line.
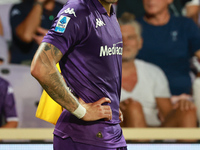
x=7, y=103
x=91, y=43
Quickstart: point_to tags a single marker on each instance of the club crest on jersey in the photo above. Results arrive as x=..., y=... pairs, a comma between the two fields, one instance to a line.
x=70, y=11
x=99, y=23
x=62, y=24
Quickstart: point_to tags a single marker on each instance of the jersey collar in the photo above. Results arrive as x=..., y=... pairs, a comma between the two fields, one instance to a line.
x=101, y=9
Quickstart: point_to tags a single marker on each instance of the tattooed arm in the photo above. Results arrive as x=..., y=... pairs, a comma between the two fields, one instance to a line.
x=43, y=68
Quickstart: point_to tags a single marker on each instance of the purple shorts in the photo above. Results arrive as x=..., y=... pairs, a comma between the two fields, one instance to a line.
x=69, y=144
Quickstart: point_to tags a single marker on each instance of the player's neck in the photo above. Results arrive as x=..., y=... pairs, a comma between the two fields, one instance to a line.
x=106, y=5
x=158, y=19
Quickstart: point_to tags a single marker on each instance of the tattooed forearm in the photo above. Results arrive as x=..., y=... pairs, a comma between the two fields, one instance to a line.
x=59, y=92
x=53, y=81
x=54, y=50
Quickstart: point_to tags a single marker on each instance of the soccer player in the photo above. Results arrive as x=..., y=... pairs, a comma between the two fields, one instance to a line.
x=86, y=40
x=7, y=106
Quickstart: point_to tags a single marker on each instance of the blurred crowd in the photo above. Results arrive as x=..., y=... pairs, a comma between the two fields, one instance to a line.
x=160, y=61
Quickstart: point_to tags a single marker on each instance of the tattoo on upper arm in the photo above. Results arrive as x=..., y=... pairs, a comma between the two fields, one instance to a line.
x=54, y=50
x=55, y=53
x=47, y=47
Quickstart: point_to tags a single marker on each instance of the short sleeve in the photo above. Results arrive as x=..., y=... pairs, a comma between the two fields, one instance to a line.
x=9, y=106
x=68, y=29
x=161, y=88
x=17, y=15
x=192, y=2
x=193, y=33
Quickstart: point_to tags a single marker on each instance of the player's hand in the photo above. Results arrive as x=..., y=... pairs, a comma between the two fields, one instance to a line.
x=38, y=39
x=121, y=118
x=42, y=32
x=96, y=111
x=184, y=105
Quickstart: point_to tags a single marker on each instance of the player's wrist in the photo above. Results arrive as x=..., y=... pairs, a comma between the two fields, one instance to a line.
x=79, y=112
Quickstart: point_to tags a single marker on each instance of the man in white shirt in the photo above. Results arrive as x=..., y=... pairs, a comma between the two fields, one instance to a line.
x=145, y=97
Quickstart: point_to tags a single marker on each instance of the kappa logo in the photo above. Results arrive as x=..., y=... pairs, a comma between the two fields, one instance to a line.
x=15, y=12
x=10, y=90
x=99, y=23
x=70, y=11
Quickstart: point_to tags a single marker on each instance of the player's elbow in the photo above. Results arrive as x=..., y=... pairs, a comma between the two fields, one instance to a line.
x=36, y=70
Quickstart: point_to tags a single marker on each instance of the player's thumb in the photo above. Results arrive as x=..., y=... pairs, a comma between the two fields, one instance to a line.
x=81, y=101
x=103, y=100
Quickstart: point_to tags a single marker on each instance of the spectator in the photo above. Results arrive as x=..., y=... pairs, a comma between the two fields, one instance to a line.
x=136, y=7
x=145, y=91
x=7, y=106
x=132, y=6
x=29, y=22
x=169, y=42
x=177, y=6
